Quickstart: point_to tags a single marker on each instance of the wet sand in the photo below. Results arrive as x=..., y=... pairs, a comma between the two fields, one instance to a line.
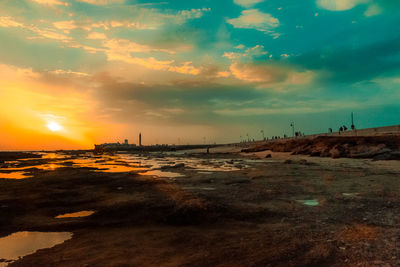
x=225, y=208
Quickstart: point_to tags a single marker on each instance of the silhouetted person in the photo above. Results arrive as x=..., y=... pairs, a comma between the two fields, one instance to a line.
x=330, y=130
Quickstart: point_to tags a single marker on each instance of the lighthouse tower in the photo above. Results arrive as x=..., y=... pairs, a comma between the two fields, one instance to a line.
x=140, y=139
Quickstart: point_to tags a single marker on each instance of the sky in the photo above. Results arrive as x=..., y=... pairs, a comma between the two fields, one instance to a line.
x=74, y=73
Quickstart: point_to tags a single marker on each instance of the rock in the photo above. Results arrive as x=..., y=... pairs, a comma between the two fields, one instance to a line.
x=179, y=165
x=303, y=161
x=238, y=181
x=384, y=156
x=268, y=156
x=337, y=152
x=395, y=155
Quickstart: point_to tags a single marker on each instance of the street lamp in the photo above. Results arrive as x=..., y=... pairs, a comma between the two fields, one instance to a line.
x=262, y=131
x=292, y=125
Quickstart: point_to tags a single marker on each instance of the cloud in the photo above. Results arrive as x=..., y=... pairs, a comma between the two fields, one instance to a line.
x=267, y=75
x=13, y=72
x=68, y=72
x=65, y=25
x=130, y=24
x=339, y=5
x=249, y=53
x=96, y=36
x=256, y=51
x=373, y=10
x=49, y=34
x=193, y=13
x=265, y=111
x=348, y=64
x=223, y=74
x=256, y=73
x=186, y=68
x=255, y=19
x=124, y=46
x=373, y=7
x=151, y=19
x=247, y=3
x=232, y=55
x=122, y=50
x=51, y=2
x=102, y=2
x=6, y=22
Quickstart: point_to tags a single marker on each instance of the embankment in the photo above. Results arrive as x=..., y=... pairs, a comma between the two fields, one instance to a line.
x=375, y=147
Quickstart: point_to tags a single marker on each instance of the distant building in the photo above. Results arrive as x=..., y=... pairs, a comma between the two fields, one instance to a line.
x=101, y=148
x=140, y=139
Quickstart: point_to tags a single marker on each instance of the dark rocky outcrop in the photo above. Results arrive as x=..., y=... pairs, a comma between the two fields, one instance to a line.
x=375, y=147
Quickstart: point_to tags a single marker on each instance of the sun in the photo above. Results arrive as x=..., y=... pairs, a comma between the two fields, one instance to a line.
x=54, y=126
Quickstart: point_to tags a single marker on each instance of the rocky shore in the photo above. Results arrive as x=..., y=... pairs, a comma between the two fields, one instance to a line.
x=237, y=209
x=363, y=147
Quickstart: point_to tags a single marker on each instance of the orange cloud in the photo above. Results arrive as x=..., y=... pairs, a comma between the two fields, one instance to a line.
x=266, y=75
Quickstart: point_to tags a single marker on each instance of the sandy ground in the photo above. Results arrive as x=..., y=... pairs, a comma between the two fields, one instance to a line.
x=257, y=215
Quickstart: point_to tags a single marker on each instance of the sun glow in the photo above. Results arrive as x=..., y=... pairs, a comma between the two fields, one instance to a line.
x=54, y=127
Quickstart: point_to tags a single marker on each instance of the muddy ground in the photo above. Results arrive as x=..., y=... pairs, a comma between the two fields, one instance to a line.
x=254, y=216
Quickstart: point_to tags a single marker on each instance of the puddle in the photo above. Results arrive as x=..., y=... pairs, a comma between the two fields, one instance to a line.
x=14, y=175
x=53, y=156
x=46, y=167
x=159, y=173
x=309, y=202
x=78, y=214
x=118, y=168
x=21, y=244
x=148, y=165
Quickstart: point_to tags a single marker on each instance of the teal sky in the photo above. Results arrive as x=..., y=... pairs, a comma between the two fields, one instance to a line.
x=213, y=68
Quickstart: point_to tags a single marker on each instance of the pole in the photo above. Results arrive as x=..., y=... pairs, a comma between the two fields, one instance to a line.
x=292, y=124
x=352, y=119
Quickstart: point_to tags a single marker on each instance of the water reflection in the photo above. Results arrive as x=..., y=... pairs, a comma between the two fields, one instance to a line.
x=21, y=244
x=159, y=173
x=14, y=175
x=309, y=202
x=78, y=214
x=149, y=164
